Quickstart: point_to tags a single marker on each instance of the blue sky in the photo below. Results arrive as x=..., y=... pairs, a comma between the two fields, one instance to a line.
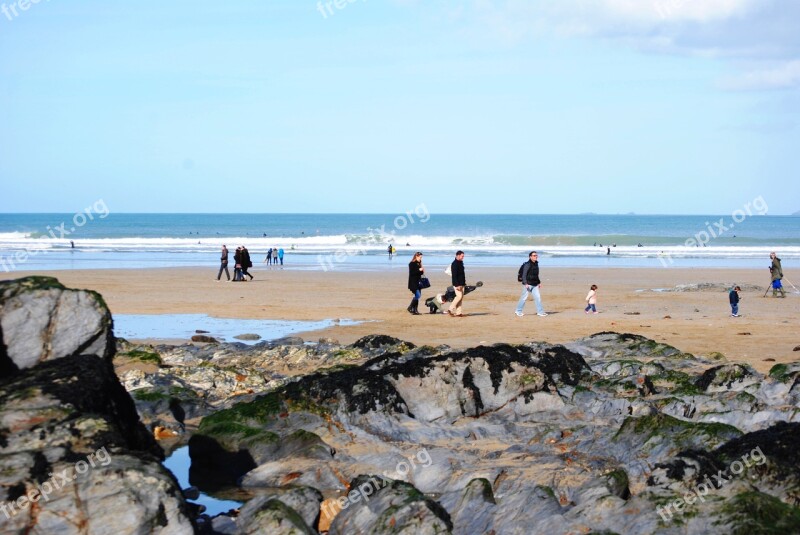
x=608, y=106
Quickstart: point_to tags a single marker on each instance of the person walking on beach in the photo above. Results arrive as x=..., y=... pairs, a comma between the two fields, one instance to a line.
x=246, y=263
x=459, y=282
x=223, y=263
x=777, y=275
x=280, y=255
x=415, y=271
x=591, y=300
x=237, y=265
x=530, y=285
x=733, y=297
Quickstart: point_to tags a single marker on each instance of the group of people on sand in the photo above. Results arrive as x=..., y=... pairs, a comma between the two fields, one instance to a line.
x=776, y=272
x=528, y=276
x=242, y=262
x=274, y=255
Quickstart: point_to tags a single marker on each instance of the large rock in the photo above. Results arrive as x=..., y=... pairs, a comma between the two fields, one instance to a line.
x=74, y=457
x=598, y=436
x=378, y=506
x=41, y=320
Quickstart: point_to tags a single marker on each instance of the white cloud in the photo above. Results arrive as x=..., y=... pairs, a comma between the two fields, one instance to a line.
x=764, y=33
x=784, y=75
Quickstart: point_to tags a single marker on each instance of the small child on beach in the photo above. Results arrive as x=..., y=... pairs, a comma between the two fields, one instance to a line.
x=591, y=300
x=734, y=299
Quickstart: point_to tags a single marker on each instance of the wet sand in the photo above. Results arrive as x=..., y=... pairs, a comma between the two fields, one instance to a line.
x=698, y=322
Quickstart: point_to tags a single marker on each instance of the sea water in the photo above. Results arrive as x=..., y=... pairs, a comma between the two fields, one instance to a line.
x=360, y=241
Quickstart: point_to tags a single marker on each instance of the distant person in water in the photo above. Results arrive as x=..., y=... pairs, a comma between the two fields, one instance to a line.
x=223, y=263
x=390, y=250
x=591, y=300
x=608, y=250
x=733, y=297
x=246, y=263
x=415, y=271
x=71, y=244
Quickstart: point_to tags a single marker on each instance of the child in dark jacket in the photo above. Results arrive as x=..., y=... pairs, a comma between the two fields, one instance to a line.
x=734, y=299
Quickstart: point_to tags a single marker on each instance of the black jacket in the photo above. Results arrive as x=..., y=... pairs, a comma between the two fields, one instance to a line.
x=457, y=268
x=246, y=263
x=414, y=274
x=734, y=297
x=237, y=257
x=530, y=273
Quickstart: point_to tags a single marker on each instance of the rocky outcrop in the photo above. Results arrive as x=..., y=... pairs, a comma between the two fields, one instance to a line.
x=74, y=457
x=598, y=436
x=41, y=320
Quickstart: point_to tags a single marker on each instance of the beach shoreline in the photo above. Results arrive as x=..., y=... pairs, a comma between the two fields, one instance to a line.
x=698, y=322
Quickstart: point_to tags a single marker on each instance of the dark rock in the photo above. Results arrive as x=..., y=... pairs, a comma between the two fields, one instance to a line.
x=273, y=516
x=288, y=341
x=645, y=386
x=200, y=331
x=204, y=339
x=374, y=341
x=617, y=483
x=304, y=501
x=727, y=377
x=65, y=412
x=392, y=507
x=213, y=466
x=248, y=336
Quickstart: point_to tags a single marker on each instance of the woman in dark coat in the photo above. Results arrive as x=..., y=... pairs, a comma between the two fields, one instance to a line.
x=415, y=271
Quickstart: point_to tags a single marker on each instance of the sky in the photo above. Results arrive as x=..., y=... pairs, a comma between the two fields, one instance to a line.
x=377, y=106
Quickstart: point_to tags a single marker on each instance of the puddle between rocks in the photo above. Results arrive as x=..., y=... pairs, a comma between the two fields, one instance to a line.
x=178, y=463
x=171, y=326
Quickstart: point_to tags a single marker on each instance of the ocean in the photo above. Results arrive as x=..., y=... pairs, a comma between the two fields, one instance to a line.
x=103, y=239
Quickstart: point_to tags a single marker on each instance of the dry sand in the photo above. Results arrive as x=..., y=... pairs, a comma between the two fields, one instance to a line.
x=697, y=322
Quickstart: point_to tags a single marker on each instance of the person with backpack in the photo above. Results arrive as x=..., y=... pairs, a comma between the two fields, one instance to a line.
x=528, y=275
x=777, y=274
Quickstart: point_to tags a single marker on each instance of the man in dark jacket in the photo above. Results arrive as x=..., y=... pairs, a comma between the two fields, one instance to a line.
x=530, y=285
x=223, y=264
x=459, y=281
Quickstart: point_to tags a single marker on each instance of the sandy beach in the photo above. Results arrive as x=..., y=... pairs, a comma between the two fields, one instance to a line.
x=698, y=322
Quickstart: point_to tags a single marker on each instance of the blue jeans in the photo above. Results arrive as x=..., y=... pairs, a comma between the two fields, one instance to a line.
x=734, y=308
x=418, y=294
x=591, y=307
x=534, y=291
